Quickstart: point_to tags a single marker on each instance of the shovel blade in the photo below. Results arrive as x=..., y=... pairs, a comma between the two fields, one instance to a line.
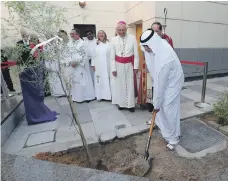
x=146, y=155
x=141, y=166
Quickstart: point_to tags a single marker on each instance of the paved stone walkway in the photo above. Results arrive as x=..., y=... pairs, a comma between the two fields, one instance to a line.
x=101, y=121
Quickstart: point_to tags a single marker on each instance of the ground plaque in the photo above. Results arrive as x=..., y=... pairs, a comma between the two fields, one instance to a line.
x=39, y=138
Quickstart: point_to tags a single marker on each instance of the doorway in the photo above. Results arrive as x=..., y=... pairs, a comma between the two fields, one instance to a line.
x=138, y=34
x=83, y=27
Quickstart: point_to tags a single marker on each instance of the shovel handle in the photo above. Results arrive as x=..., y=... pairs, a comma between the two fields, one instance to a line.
x=152, y=123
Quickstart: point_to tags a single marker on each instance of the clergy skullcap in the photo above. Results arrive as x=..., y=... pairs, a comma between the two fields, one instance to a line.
x=146, y=35
x=122, y=22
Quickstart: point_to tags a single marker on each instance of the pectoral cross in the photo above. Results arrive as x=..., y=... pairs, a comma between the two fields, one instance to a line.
x=123, y=49
x=98, y=77
x=82, y=75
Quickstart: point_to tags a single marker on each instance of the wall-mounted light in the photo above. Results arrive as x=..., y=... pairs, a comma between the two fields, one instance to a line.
x=82, y=4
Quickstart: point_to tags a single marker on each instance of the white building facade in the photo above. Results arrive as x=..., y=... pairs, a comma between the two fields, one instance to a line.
x=199, y=29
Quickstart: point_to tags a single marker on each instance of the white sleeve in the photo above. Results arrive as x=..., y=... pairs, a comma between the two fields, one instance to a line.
x=161, y=85
x=112, y=57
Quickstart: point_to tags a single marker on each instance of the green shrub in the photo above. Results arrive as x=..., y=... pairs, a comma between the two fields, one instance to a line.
x=221, y=109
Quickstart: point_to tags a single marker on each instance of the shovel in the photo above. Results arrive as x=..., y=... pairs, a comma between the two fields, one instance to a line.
x=141, y=166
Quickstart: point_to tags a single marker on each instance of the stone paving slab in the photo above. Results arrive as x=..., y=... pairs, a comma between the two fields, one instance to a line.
x=217, y=87
x=101, y=104
x=83, y=113
x=197, y=136
x=188, y=110
x=61, y=106
x=221, y=82
x=184, y=99
x=106, y=119
x=108, y=136
x=138, y=117
x=196, y=96
x=209, y=92
x=122, y=133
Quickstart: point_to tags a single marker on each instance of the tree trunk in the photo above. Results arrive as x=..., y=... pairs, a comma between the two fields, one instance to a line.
x=75, y=118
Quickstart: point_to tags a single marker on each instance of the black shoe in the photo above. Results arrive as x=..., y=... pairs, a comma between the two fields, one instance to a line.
x=120, y=108
x=47, y=94
x=150, y=107
x=132, y=109
x=12, y=90
x=87, y=101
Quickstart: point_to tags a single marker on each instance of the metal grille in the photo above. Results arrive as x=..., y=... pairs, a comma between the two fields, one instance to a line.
x=197, y=137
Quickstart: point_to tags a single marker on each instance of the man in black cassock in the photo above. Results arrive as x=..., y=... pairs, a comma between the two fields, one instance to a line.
x=6, y=74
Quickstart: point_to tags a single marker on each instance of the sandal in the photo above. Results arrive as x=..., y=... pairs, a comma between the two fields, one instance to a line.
x=169, y=147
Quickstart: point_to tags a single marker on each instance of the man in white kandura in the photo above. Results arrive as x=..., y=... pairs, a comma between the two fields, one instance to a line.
x=168, y=79
x=101, y=66
x=124, y=67
x=91, y=43
x=82, y=85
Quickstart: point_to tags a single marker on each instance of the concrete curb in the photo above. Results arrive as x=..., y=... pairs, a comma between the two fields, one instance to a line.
x=224, y=130
x=197, y=115
x=216, y=126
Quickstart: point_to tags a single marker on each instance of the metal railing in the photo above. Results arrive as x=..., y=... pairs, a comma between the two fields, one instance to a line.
x=202, y=103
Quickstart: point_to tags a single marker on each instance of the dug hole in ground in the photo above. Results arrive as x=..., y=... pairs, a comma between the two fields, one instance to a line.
x=119, y=156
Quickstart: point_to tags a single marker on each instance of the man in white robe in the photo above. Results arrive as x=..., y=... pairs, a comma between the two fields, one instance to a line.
x=91, y=43
x=82, y=85
x=55, y=65
x=168, y=79
x=124, y=67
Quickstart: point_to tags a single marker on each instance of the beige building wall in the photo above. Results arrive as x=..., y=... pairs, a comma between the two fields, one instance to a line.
x=187, y=22
x=190, y=24
x=139, y=12
x=195, y=24
x=199, y=29
x=104, y=14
